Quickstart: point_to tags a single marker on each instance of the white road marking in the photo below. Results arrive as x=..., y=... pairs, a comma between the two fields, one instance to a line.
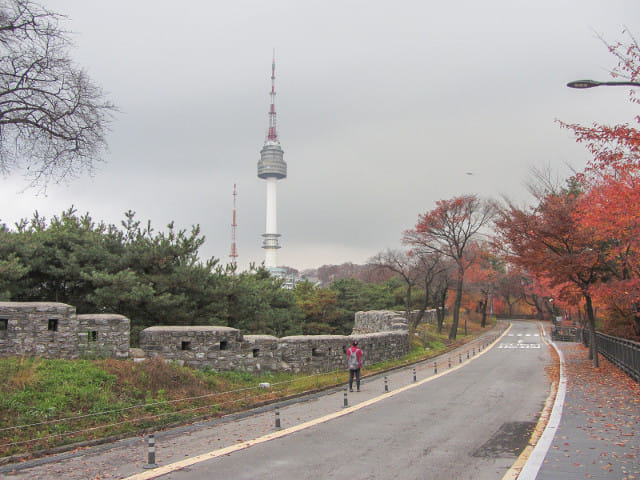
x=519, y=345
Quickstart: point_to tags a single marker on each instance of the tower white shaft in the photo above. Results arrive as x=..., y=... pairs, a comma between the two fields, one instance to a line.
x=272, y=210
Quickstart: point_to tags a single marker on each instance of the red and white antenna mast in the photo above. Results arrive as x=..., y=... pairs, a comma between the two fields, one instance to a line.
x=272, y=134
x=234, y=225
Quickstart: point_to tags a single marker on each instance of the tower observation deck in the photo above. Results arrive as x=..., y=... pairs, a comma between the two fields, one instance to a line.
x=271, y=167
x=271, y=164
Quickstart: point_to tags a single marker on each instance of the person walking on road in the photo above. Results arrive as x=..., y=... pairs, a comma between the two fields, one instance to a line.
x=354, y=362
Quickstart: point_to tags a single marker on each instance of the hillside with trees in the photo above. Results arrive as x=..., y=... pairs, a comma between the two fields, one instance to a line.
x=157, y=278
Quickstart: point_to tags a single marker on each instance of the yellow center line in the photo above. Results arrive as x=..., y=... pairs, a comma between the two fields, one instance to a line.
x=187, y=462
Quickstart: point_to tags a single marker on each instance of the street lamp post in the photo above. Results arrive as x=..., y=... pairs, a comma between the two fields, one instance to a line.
x=594, y=83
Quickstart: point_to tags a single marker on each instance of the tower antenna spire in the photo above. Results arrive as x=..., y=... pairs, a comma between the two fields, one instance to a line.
x=234, y=225
x=272, y=134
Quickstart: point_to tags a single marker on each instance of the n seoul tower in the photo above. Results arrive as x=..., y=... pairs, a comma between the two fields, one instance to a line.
x=271, y=167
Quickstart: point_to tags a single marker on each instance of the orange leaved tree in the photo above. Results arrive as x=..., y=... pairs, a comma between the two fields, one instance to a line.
x=449, y=230
x=610, y=205
x=550, y=242
x=483, y=278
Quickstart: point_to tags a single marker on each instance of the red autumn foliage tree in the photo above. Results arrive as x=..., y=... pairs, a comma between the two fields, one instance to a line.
x=538, y=295
x=509, y=285
x=550, y=242
x=611, y=203
x=448, y=230
x=612, y=209
x=482, y=278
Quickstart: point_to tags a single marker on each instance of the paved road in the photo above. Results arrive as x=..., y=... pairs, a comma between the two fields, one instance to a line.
x=469, y=422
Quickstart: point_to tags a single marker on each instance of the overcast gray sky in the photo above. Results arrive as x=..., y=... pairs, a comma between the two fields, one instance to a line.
x=383, y=107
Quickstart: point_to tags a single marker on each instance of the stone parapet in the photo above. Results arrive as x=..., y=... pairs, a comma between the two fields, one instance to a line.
x=206, y=346
x=38, y=328
x=429, y=316
x=104, y=335
x=54, y=330
x=260, y=353
x=378, y=321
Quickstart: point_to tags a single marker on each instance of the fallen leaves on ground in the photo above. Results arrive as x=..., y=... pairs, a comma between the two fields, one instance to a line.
x=611, y=402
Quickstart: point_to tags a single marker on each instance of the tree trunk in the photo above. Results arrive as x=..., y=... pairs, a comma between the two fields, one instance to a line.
x=442, y=308
x=550, y=310
x=456, y=308
x=591, y=318
x=440, y=318
x=483, y=322
x=537, y=303
x=418, y=318
x=423, y=309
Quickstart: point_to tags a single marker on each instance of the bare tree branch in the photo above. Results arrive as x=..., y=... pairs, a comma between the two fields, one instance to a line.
x=53, y=118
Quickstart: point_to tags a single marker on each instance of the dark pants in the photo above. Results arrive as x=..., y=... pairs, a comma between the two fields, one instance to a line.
x=354, y=373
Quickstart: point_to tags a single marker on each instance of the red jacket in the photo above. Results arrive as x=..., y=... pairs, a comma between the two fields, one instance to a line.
x=358, y=354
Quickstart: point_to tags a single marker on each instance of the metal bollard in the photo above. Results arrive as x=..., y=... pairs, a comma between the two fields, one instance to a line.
x=346, y=402
x=449, y=362
x=467, y=354
x=386, y=384
x=459, y=358
x=435, y=367
x=474, y=351
x=277, y=417
x=414, y=375
x=151, y=456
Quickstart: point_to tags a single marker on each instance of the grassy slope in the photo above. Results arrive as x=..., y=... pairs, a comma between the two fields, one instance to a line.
x=61, y=402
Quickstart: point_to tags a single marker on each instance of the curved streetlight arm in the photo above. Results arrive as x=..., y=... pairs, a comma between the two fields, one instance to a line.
x=593, y=83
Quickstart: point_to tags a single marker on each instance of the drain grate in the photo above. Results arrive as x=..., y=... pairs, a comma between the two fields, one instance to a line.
x=509, y=441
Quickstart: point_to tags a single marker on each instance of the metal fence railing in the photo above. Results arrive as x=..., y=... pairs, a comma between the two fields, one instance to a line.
x=625, y=354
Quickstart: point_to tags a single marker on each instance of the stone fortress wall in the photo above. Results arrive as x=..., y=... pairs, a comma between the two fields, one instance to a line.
x=223, y=348
x=386, y=320
x=54, y=330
